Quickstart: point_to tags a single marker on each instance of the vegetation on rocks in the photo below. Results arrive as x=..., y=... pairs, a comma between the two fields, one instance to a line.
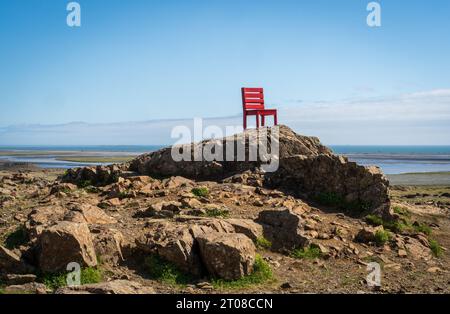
x=309, y=252
x=162, y=270
x=54, y=281
x=262, y=273
x=200, y=191
x=436, y=248
x=400, y=225
x=381, y=237
x=263, y=243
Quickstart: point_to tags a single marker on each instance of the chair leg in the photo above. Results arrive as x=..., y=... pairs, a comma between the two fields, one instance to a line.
x=275, y=120
x=257, y=121
x=263, y=120
x=245, y=121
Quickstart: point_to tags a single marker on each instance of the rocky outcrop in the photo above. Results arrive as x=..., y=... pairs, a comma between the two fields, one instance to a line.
x=64, y=243
x=306, y=168
x=100, y=175
x=227, y=256
x=111, y=287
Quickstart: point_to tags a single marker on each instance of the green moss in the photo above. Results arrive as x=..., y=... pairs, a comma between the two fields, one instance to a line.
x=200, y=191
x=166, y=272
x=436, y=248
x=262, y=273
x=54, y=281
x=310, y=252
x=263, y=243
x=381, y=237
x=16, y=238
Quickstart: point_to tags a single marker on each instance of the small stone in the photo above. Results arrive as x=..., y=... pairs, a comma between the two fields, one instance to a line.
x=285, y=285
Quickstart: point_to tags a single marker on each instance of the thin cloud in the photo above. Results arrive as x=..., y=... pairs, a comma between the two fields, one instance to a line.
x=404, y=119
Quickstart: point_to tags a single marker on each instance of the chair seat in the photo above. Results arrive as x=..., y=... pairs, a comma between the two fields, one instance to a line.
x=261, y=112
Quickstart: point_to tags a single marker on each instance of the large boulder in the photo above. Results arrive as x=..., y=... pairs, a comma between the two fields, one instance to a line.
x=63, y=243
x=111, y=287
x=284, y=228
x=227, y=256
x=173, y=242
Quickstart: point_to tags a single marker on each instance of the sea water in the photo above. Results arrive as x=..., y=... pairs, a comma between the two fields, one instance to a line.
x=391, y=159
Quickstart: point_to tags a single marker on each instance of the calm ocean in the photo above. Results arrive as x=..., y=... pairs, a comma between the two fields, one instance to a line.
x=392, y=159
x=399, y=159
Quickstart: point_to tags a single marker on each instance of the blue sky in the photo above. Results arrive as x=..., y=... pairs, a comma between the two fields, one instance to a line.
x=327, y=72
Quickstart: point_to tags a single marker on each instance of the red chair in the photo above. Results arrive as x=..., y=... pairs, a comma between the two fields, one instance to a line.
x=253, y=105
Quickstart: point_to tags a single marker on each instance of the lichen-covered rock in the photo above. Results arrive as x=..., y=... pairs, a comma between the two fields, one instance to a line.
x=284, y=228
x=227, y=256
x=173, y=242
x=108, y=244
x=64, y=243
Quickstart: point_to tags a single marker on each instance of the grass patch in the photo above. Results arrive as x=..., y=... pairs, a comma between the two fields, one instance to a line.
x=216, y=212
x=16, y=238
x=166, y=272
x=381, y=237
x=84, y=184
x=394, y=226
x=422, y=227
x=263, y=243
x=310, y=252
x=397, y=226
x=401, y=211
x=54, y=281
x=200, y=191
x=436, y=248
x=262, y=273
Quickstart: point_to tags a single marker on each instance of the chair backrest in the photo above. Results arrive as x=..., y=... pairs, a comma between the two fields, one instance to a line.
x=252, y=98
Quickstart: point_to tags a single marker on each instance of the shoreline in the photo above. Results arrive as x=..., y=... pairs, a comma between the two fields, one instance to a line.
x=420, y=178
